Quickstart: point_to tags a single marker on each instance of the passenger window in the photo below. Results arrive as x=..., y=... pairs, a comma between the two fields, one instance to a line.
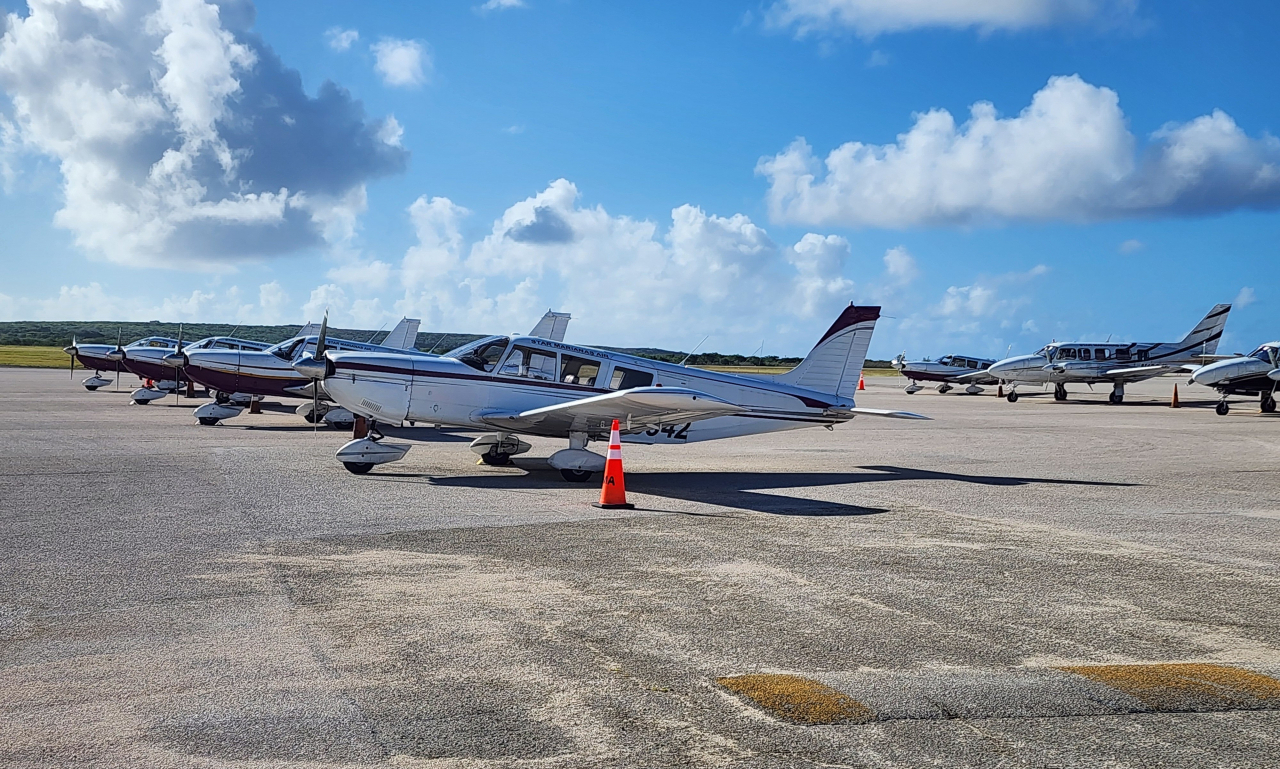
x=1142, y=354
x=1084, y=353
x=1122, y=353
x=530, y=363
x=581, y=371
x=972, y=363
x=627, y=378
x=1100, y=353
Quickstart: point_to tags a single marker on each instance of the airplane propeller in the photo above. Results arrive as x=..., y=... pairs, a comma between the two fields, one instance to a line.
x=899, y=362
x=315, y=366
x=177, y=379
x=71, y=355
x=117, y=355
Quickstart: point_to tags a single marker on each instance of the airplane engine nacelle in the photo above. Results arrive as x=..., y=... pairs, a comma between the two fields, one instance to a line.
x=577, y=459
x=1225, y=371
x=487, y=444
x=142, y=396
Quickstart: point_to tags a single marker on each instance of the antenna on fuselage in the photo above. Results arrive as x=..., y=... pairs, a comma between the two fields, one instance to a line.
x=379, y=331
x=695, y=349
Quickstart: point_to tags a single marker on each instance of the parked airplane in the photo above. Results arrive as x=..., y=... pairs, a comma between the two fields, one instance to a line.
x=1257, y=373
x=271, y=373
x=948, y=371
x=110, y=357
x=154, y=364
x=1062, y=362
x=530, y=386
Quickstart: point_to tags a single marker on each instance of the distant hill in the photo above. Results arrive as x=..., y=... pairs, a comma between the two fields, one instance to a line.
x=59, y=334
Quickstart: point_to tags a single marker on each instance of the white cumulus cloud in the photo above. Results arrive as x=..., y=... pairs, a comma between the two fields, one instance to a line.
x=1068, y=156
x=211, y=305
x=626, y=281
x=340, y=39
x=181, y=138
x=501, y=5
x=869, y=18
x=402, y=63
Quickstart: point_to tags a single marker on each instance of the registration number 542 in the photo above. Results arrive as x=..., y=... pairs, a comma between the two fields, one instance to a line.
x=674, y=432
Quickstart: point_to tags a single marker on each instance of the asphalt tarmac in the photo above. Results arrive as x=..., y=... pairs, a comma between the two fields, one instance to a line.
x=1035, y=584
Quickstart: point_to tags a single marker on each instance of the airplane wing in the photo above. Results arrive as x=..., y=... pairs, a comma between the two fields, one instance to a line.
x=975, y=377
x=1139, y=372
x=637, y=409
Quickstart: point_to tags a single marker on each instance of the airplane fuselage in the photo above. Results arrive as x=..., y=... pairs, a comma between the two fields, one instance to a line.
x=1063, y=363
x=448, y=391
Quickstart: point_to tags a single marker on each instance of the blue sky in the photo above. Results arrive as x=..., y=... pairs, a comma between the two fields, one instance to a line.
x=639, y=166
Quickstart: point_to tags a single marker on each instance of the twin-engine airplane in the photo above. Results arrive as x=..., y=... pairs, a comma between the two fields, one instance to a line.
x=525, y=385
x=1257, y=373
x=948, y=371
x=270, y=372
x=1062, y=362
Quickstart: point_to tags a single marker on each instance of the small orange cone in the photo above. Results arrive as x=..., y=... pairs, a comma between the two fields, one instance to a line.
x=1000, y=390
x=254, y=408
x=191, y=389
x=861, y=384
x=613, y=492
x=1173, y=404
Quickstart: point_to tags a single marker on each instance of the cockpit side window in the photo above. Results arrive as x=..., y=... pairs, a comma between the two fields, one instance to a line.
x=1262, y=354
x=285, y=350
x=971, y=364
x=530, y=363
x=485, y=355
x=1066, y=353
x=945, y=361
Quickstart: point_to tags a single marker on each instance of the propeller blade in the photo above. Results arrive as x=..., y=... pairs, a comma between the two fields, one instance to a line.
x=71, y=356
x=324, y=331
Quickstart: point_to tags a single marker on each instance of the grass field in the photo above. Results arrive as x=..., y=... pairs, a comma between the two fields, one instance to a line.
x=33, y=357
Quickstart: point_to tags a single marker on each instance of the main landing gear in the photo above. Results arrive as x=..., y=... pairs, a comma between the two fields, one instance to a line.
x=944, y=388
x=1059, y=392
x=1117, y=394
x=1222, y=409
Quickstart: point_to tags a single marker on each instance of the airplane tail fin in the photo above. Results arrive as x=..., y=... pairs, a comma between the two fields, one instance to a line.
x=835, y=362
x=404, y=335
x=311, y=329
x=552, y=326
x=1208, y=331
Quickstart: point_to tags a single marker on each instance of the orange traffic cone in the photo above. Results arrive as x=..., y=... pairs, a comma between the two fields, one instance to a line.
x=191, y=389
x=254, y=407
x=613, y=492
x=1000, y=390
x=1173, y=404
x=861, y=384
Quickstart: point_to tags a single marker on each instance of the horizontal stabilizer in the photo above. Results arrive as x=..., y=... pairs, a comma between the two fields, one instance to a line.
x=891, y=414
x=637, y=409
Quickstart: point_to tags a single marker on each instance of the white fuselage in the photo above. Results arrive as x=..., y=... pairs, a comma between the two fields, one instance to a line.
x=445, y=390
x=1260, y=370
x=1067, y=362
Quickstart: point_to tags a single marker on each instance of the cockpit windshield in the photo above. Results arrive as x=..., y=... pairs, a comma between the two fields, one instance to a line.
x=1047, y=351
x=284, y=350
x=482, y=354
x=1265, y=353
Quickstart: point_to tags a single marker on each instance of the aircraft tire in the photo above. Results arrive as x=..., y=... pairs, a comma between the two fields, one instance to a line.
x=310, y=417
x=576, y=476
x=496, y=459
x=1012, y=397
x=221, y=397
x=1269, y=406
x=359, y=468
x=90, y=389
x=1116, y=398
x=1222, y=408
x=208, y=421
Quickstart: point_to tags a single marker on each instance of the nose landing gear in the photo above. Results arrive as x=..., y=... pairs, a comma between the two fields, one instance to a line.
x=1268, y=403
x=1117, y=394
x=1012, y=397
x=1222, y=408
x=1059, y=392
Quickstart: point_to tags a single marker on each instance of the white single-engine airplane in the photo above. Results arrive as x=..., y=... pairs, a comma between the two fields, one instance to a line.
x=1257, y=373
x=948, y=371
x=1117, y=364
x=145, y=359
x=531, y=386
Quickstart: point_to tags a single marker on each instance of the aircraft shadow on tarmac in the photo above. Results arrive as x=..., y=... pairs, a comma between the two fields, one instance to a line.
x=749, y=491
